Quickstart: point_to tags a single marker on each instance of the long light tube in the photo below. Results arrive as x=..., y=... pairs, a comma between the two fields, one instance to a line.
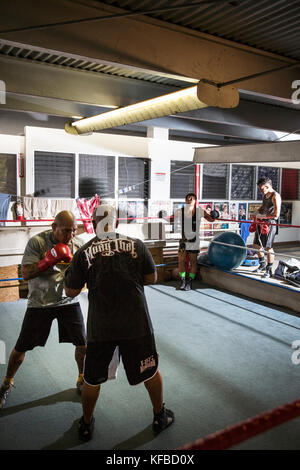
x=195, y=97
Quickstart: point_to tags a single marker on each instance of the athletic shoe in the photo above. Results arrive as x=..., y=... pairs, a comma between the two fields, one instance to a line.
x=182, y=283
x=261, y=269
x=267, y=273
x=162, y=420
x=5, y=391
x=79, y=384
x=85, y=431
x=188, y=285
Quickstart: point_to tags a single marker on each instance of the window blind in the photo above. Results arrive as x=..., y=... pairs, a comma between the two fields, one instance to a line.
x=215, y=181
x=8, y=174
x=133, y=178
x=182, y=179
x=96, y=176
x=54, y=175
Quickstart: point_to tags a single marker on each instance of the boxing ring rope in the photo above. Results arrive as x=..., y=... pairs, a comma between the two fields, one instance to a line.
x=257, y=221
x=171, y=217
x=237, y=221
x=233, y=435
x=41, y=220
x=254, y=249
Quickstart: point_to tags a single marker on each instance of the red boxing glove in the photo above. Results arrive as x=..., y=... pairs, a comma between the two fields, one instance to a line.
x=252, y=227
x=59, y=252
x=264, y=229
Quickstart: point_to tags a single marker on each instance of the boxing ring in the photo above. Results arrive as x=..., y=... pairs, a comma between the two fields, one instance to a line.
x=226, y=359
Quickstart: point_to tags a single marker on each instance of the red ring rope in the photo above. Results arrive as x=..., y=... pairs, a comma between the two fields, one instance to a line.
x=251, y=427
x=257, y=221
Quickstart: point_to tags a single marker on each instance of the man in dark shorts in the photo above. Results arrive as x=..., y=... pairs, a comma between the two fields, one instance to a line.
x=190, y=217
x=268, y=212
x=116, y=268
x=47, y=256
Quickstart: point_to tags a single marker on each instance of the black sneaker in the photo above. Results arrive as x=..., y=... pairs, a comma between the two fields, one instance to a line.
x=188, y=284
x=260, y=269
x=4, y=392
x=162, y=420
x=85, y=431
x=267, y=274
x=182, y=283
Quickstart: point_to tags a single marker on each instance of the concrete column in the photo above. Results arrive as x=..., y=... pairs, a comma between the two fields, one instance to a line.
x=158, y=146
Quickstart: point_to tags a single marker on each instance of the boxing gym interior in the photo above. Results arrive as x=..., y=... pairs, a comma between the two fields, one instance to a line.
x=139, y=103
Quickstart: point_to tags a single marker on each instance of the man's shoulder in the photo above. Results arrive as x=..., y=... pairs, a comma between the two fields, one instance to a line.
x=78, y=242
x=40, y=238
x=83, y=246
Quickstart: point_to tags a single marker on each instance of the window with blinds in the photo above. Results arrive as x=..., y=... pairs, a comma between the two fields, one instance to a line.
x=96, y=176
x=54, y=175
x=215, y=181
x=182, y=179
x=134, y=178
x=8, y=174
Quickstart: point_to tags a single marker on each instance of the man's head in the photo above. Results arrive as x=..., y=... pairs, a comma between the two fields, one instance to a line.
x=265, y=185
x=191, y=198
x=104, y=219
x=64, y=227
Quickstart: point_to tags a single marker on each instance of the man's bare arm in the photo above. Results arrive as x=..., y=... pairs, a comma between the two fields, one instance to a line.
x=208, y=217
x=277, y=206
x=29, y=271
x=72, y=292
x=150, y=278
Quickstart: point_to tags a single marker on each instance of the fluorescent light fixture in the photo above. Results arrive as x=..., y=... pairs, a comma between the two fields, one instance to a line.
x=199, y=96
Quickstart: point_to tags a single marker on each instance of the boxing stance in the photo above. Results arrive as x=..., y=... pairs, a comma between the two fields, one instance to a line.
x=47, y=256
x=269, y=211
x=116, y=268
x=189, y=244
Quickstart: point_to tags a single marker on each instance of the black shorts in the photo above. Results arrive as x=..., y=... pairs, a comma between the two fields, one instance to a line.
x=37, y=324
x=139, y=358
x=266, y=241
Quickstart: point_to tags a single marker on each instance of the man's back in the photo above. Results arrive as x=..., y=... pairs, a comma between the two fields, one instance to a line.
x=113, y=268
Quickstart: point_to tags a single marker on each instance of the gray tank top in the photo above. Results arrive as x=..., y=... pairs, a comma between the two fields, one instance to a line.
x=267, y=204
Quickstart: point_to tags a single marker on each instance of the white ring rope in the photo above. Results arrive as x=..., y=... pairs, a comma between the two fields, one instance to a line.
x=256, y=250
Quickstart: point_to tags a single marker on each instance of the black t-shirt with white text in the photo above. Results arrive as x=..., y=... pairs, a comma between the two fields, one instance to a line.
x=113, y=269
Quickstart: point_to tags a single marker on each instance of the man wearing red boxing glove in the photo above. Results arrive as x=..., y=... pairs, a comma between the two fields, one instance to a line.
x=47, y=256
x=268, y=213
x=59, y=253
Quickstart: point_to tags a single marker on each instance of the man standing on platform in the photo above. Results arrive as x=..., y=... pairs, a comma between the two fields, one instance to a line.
x=268, y=212
x=189, y=244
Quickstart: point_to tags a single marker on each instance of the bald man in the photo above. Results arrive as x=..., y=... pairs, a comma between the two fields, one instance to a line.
x=47, y=256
